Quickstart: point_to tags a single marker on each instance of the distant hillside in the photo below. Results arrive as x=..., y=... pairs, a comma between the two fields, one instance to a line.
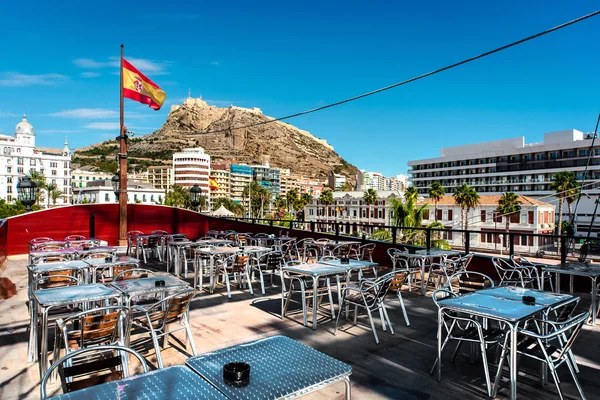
x=284, y=145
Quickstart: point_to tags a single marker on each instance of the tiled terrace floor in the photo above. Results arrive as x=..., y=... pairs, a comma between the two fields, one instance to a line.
x=397, y=368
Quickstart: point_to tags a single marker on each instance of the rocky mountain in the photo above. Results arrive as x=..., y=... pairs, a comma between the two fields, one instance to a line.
x=190, y=125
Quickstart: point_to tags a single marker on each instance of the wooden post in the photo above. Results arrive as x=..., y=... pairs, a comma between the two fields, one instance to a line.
x=122, y=164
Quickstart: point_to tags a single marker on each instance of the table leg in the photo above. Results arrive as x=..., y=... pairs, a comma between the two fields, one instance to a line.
x=315, y=285
x=570, y=284
x=513, y=361
x=594, y=301
x=44, y=344
x=439, y=344
x=212, y=273
x=32, y=348
x=557, y=282
x=423, y=285
x=543, y=280
x=348, y=388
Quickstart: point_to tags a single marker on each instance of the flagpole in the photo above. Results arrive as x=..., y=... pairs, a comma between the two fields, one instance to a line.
x=122, y=164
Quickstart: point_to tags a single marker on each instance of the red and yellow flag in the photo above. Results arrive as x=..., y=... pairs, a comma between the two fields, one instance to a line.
x=136, y=86
x=212, y=183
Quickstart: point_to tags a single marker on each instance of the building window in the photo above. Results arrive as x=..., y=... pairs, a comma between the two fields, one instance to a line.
x=106, y=197
x=8, y=170
x=450, y=216
x=32, y=162
x=425, y=214
x=9, y=179
x=19, y=161
x=9, y=189
x=530, y=217
x=438, y=215
x=19, y=170
x=515, y=218
x=144, y=198
x=53, y=172
x=483, y=215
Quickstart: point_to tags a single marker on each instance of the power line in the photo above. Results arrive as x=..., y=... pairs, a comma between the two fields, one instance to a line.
x=416, y=78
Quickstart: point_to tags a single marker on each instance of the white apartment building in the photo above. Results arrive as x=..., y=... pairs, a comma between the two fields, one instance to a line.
x=336, y=181
x=350, y=207
x=160, y=176
x=512, y=165
x=535, y=217
x=81, y=179
x=192, y=166
x=374, y=180
x=19, y=156
x=221, y=174
x=241, y=176
x=102, y=192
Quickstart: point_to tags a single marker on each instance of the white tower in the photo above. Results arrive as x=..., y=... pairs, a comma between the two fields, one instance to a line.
x=24, y=135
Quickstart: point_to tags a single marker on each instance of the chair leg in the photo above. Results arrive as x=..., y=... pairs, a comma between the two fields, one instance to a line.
x=262, y=281
x=372, y=325
x=337, y=320
x=574, y=375
x=486, y=370
x=403, y=308
x=500, y=365
x=190, y=337
x=330, y=299
x=226, y=275
x=556, y=383
x=387, y=317
x=382, y=318
x=249, y=282
x=156, y=348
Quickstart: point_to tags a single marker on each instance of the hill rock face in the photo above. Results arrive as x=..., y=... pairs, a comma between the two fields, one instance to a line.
x=283, y=145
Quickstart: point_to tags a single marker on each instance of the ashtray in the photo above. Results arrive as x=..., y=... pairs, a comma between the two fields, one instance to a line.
x=108, y=259
x=236, y=374
x=344, y=260
x=529, y=300
x=159, y=283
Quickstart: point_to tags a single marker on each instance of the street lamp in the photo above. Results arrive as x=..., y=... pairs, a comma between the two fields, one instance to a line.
x=27, y=191
x=195, y=194
x=116, y=184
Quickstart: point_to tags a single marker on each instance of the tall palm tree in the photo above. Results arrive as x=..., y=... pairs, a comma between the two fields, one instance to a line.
x=411, y=194
x=326, y=199
x=436, y=192
x=306, y=198
x=370, y=198
x=280, y=205
x=563, y=183
x=291, y=197
x=178, y=196
x=467, y=198
x=407, y=215
x=55, y=193
x=508, y=204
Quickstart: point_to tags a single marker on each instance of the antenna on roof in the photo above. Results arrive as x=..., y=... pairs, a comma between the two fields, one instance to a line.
x=189, y=93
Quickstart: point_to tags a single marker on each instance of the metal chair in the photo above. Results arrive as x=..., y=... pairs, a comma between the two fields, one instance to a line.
x=212, y=234
x=50, y=259
x=396, y=286
x=159, y=232
x=151, y=246
x=531, y=270
x=305, y=287
x=464, y=328
x=132, y=241
x=268, y=263
x=464, y=282
x=91, y=366
x=235, y=267
x=71, y=238
x=369, y=295
x=107, y=273
x=552, y=348
x=99, y=255
x=511, y=275
x=400, y=262
x=104, y=325
x=48, y=246
x=157, y=318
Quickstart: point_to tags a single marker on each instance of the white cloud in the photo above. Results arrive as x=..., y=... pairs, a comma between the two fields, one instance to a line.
x=7, y=114
x=89, y=74
x=215, y=63
x=16, y=79
x=49, y=131
x=147, y=67
x=103, y=126
x=85, y=113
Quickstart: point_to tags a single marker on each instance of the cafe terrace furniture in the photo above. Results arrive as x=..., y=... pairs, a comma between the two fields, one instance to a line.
x=213, y=253
x=592, y=271
x=497, y=304
x=147, y=286
x=47, y=299
x=280, y=368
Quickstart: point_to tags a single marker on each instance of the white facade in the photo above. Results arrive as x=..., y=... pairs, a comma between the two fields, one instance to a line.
x=192, y=166
x=81, y=179
x=19, y=156
x=101, y=192
x=512, y=165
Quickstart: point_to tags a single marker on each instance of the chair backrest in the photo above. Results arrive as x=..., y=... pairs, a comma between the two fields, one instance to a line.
x=507, y=271
x=105, y=273
x=133, y=233
x=365, y=252
x=378, y=288
x=240, y=262
x=97, y=326
x=171, y=308
x=398, y=280
x=83, y=243
x=96, y=255
x=206, y=238
x=49, y=246
x=49, y=259
x=212, y=233
x=39, y=240
x=241, y=239
x=442, y=293
x=341, y=250
x=136, y=273
x=563, y=311
x=463, y=262
x=53, y=279
x=75, y=237
x=93, y=369
x=260, y=235
x=159, y=232
x=462, y=282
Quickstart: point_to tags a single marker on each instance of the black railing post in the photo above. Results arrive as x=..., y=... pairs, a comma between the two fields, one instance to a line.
x=394, y=234
x=511, y=243
x=467, y=241
x=291, y=224
x=354, y=228
x=337, y=229
x=563, y=249
x=348, y=228
x=92, y=225
x=364, y=236
x=312, y=226
x=271, y=223
x=428, y=238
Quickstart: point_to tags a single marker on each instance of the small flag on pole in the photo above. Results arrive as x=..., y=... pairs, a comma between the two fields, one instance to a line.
x=212, y=183
x=138, y=87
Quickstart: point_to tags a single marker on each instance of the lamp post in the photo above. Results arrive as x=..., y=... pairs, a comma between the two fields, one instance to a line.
x=27, y=191
x=195, y=194
x=116, y=185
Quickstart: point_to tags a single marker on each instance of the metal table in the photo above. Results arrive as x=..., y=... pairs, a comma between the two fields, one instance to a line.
x=35, y=270
x=172, y=383
x=280, y=368
x=147, y=286
x=98, y=249
x=212, y=252
x=496, y=305
x=43, y=300
x=435, y=252
x=96, y=263
x=214, y=242
x=68, y=252
x=592, y=271
x=177, y=247
x=314, y=271
x=323, y=245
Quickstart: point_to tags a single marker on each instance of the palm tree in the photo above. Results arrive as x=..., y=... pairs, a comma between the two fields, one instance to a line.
x=508, y=204
x=55, y=194
x=306, y=198
x=563, y=183
x=178, y=196
x=411, y=194
x=436, y=192
x=326, y=199
x=370, y=198
x=280, y=205
x=467, y=198
x=291, y=197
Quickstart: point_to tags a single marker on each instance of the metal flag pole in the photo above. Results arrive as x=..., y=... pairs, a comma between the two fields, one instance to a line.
x=122, y=157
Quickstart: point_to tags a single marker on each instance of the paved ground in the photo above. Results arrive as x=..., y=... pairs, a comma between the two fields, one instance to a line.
x=397, y=368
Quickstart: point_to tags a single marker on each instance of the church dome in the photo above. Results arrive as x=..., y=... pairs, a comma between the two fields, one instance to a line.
x=24, y=127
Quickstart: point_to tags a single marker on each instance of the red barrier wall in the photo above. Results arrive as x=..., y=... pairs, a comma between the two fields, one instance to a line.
x=60, y=222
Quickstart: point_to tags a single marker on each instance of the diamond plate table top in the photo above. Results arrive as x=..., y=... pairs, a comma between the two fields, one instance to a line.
x=353, y=264
x=141, y=286
x=173, y=383
x=492, y=307
x=516, y=293
x=436, y=252
x=317, y=269
x=574, y=268
x=99, y=262
x=74, y=294
x=57, y=266
x=279, y=368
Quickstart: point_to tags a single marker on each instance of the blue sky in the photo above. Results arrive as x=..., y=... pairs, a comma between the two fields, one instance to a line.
x=58, y=66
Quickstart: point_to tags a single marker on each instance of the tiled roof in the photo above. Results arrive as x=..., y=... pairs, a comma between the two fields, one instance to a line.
x=487, y=200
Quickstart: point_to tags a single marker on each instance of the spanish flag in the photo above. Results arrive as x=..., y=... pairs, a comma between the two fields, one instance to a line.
x=212, y=183
x=136, y=86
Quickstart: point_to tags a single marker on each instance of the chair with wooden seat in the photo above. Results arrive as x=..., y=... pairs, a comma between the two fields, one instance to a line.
x=104, y=325
x=235, y=267
x=50, y=259
x=157, y=319
x=49, y=246
x=99, y=255
x=267, y=264
x=71, y=238
x=38, y=240
x=464, y=282
x=396, y=286
x=108, y=272
x=151, y=247
x=132, y=241
x=91, y=366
